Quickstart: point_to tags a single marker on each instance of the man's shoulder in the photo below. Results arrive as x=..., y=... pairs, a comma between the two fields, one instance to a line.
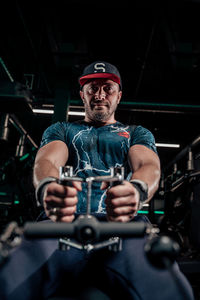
x=143, y=136
x=136, y=129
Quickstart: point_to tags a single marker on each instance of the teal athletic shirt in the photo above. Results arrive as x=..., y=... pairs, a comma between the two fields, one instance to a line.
x=94, y=150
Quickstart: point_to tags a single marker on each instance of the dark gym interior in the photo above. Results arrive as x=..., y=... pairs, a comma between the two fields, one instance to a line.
x=156, y=46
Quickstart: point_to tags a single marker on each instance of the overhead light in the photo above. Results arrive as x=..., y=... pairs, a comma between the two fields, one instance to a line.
x=76, y=113
x=51, y=111
x=165, y=145
x=43, y=111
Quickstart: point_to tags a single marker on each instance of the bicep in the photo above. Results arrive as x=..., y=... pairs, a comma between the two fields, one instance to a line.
x=140, y=155
x=55, y=152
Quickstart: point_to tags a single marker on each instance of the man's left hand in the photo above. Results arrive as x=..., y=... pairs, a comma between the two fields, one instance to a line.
x=122, y=202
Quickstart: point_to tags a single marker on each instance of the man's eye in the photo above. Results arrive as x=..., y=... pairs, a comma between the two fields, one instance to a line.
x=108, y=89
x=93, y=89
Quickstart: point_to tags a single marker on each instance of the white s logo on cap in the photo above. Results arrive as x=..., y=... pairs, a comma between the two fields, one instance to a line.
x=99, y=66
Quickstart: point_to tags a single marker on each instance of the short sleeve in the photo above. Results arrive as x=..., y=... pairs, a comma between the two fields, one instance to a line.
x=142, y=136
x=54, y=132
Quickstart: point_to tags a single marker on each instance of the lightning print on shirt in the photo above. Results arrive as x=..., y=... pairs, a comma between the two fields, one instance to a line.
x=94, y=150
x=85, y=144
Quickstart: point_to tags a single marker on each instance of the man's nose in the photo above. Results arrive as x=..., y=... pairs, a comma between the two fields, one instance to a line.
x=100, y=94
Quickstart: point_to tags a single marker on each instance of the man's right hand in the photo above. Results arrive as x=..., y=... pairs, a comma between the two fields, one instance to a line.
x=60, y=201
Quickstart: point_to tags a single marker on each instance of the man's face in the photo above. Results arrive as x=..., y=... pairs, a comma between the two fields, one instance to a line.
x=100, y=98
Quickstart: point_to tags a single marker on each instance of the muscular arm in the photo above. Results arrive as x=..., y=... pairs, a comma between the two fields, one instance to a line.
x=145, y=165
x=64, y=198
x=48, y=160
x=122, y=201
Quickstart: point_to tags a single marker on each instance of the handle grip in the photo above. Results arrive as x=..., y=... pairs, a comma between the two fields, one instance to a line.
x=84, y=229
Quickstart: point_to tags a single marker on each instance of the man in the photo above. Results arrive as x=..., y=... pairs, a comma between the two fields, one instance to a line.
x=101, y=93
x=92, y=146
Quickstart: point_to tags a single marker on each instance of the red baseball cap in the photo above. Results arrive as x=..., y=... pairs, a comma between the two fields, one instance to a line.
x=100, y=69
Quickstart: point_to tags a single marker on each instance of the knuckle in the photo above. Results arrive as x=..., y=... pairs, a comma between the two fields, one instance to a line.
x=67, y=219
x=68, y=211
x=122, y=219
x=70, y=201
x=49, y=198
x=117, y=211
x=113, y=203
x=72, y=209
x=111, y=192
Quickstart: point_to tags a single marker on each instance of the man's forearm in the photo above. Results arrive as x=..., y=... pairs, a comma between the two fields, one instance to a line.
x=44, y=168
x=150, y=175
x=48, y=161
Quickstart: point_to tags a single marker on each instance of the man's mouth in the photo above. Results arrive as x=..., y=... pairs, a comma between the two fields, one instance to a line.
x=99, y=104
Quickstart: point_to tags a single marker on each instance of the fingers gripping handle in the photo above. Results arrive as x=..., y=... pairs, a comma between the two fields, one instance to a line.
x=66, y=177
x=116, y=177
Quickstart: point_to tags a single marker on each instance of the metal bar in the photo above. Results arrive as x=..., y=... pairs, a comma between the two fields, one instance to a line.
x=89, y=193
x=6, y=70
x=13, y=120
x=145, y=60
x=183, y=152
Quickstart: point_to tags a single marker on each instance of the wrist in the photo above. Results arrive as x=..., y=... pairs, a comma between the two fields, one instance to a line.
x=142, y=189
x=40, y=189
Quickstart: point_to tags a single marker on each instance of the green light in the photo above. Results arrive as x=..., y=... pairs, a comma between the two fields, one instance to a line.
x=24, y=157
x=3, y=194
x=145, y=212
x=159, y=212
x=16, y=199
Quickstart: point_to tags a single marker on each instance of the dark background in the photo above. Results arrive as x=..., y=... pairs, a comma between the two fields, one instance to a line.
x=155, y=45
x=44, y=48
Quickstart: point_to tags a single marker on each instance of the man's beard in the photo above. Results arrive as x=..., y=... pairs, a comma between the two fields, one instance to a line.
x=98, y=116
